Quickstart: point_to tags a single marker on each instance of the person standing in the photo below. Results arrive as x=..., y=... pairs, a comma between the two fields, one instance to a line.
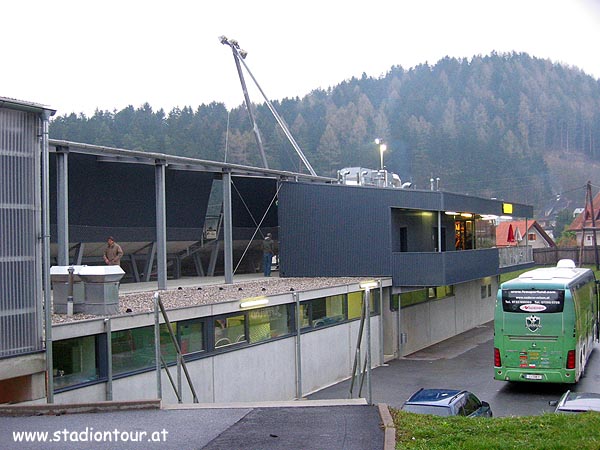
x=113, y=252
x=268, y=251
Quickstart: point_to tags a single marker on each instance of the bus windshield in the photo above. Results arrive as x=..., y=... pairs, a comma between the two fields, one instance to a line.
x=532, y=301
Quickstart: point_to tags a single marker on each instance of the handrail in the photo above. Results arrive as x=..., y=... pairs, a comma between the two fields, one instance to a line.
x=158, y=305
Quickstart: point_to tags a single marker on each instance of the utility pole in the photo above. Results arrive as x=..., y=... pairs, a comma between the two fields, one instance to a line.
x=589, y=198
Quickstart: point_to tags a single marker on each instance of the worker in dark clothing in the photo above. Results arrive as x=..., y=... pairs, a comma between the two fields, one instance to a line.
x=268, y=251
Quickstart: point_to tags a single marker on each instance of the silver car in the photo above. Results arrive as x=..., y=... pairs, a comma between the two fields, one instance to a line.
x=577, y=402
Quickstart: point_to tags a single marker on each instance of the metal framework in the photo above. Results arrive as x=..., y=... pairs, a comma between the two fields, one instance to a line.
x=163, y=162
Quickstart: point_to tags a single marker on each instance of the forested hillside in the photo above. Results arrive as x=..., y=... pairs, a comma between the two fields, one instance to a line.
x=483, y=125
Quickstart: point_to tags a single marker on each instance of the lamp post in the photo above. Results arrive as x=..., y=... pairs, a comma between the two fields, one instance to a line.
x=382, y=148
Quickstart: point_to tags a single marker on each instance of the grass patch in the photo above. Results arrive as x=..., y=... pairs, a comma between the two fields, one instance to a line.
x=547, y=431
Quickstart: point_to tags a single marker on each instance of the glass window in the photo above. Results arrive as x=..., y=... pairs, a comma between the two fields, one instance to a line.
x=448, y=290
x=267, y=323
x=230, y=330
x=75, y=361
x=133, y=349
x=191, y=336
x=328, y=310
x=304, y=315
x=472, y=404
x=374, y=302
x=354, y=305
x=483, y=291
x=394, y=302
x=485, y=231
x=413, y=297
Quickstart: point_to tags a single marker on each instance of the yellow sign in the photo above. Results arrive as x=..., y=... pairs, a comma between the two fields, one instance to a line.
x=507, y=208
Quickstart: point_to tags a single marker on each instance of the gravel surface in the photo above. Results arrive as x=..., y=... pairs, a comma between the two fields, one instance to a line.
x=208, y=294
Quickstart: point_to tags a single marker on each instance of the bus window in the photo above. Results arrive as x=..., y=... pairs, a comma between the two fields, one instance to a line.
x=533, y=301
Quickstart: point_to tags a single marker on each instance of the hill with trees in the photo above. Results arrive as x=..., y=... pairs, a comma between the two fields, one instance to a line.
x=502, y=125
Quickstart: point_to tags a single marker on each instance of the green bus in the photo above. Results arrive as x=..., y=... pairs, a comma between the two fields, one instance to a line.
x=546, y=324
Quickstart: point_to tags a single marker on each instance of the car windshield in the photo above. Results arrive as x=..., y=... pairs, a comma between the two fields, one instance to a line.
x=427, y=409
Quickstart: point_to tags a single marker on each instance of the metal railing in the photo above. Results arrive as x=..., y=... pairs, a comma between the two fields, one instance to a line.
x=159, y=307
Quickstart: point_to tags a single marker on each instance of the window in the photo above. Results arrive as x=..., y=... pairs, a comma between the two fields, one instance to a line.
x=355, y=303
x=133, y=349
x=267, y=323
x=230, y=330
x=531, y=236
x=403, y=239
x=75, y=361
x=304, y=315
x=191, y=336
x=422, y=295
x=486, y=290
x=472, y=404
x=327, y=310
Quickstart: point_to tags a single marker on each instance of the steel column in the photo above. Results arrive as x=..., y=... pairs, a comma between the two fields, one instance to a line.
x=227, y=228
x=109, y=367
x=45, y=242
x=296, y=297
x=161, y=224
x=62, y=206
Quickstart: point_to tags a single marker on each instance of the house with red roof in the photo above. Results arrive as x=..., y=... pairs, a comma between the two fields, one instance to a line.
x=583, y=223
x=521, y=233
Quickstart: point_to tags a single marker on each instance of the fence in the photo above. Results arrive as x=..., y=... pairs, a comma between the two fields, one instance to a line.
x=550, y=256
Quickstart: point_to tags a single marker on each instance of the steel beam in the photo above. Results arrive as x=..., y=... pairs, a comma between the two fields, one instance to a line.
x=227, y=228
x=62, y=205
x=161, y=224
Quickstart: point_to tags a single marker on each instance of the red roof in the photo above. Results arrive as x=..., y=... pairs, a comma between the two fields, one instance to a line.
x=584, y=220
x=520, y=228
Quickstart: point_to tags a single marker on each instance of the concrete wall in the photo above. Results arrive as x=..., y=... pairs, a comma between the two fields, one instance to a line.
x=431, y=322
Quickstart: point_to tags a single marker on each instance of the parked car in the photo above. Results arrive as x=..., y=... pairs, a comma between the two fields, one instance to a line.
x=447, y=402
x=577, y=402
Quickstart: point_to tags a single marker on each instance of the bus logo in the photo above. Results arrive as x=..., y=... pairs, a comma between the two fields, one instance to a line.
x=533, y=323
x=532, y=307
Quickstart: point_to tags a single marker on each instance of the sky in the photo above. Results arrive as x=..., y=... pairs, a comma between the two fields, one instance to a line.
x=79, y=56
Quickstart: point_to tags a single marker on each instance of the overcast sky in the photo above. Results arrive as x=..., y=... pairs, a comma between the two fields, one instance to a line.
x=80, y=55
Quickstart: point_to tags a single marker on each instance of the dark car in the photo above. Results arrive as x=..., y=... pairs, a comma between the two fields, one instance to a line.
x=447, y=402
x=577, y=402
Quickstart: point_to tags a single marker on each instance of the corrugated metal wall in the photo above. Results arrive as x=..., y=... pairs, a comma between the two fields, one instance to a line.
x=20, y=258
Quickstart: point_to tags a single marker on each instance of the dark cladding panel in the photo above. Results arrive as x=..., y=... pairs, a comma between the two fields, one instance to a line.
x=330, y=230
x=187, y=198
x=250, y=200
x=112, y=198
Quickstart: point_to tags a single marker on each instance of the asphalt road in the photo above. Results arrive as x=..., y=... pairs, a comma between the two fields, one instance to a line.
x=465, y=362
x=343, y=427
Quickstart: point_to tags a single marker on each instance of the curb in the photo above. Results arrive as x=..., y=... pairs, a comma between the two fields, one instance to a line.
x=76, y=408
x=268, y=404
x=389, y=439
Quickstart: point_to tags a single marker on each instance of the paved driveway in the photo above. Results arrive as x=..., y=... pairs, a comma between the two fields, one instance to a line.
x=465, y=362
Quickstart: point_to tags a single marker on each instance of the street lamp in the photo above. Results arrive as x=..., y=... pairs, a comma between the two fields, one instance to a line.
x=382, y=148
